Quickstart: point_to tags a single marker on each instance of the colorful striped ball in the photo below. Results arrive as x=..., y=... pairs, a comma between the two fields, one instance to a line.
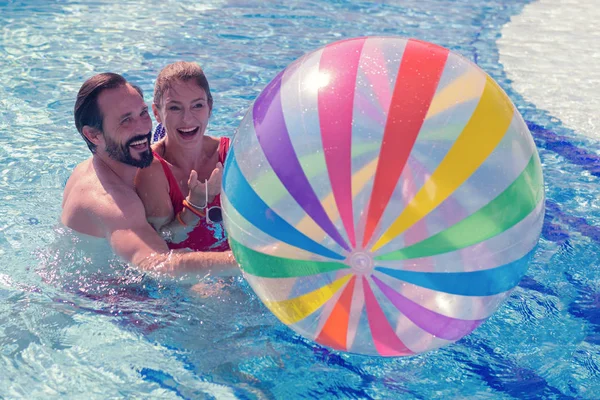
x=383, y=196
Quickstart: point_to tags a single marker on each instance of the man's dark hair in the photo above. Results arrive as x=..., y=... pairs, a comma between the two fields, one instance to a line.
x=87, y=111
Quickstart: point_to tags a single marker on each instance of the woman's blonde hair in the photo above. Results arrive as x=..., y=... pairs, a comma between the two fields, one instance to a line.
x=184, y=71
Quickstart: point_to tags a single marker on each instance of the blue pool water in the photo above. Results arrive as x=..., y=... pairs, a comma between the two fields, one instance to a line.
x=71, y=328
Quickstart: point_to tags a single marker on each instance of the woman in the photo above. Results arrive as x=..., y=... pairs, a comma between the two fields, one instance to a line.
x=181, y=188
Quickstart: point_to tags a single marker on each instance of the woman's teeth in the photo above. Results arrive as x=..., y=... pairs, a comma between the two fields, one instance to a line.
x=188, y=131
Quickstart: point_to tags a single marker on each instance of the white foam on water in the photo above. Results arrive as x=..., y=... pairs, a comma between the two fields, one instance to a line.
x=551, y=52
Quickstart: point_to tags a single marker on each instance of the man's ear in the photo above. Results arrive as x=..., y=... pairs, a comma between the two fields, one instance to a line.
x=156, y=115
x=92, y=134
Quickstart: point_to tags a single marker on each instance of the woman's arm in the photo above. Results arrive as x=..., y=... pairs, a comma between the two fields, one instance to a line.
x=199, y=196
x=153, y=189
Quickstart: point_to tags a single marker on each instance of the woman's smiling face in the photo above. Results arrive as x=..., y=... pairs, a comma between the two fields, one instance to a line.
x=184, y=111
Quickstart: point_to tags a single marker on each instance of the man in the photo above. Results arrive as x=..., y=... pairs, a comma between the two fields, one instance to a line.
x=100, y=199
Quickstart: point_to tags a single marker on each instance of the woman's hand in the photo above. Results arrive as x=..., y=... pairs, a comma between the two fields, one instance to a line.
x=197, y=194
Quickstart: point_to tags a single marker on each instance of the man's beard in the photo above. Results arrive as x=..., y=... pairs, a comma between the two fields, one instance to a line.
x=122, y=152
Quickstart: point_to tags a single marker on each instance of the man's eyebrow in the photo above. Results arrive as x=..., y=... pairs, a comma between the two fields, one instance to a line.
x=145, y=108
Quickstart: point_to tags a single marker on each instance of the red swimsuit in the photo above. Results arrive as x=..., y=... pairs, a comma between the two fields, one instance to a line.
x=205, y=236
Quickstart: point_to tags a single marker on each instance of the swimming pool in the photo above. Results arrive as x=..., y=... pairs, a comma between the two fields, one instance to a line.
x=70, y=330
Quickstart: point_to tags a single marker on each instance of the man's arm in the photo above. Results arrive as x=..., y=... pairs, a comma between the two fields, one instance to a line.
x=134, y=240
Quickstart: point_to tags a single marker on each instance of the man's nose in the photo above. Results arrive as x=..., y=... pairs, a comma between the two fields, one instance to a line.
x=144, y=125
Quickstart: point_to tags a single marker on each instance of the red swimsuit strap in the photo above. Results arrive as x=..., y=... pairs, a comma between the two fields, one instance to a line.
x=223, y=149
x=174, y=190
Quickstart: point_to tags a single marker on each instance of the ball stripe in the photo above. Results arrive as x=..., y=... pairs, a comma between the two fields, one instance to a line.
x=336, y=101
x=359, y=180
x=438, y=325
x=500, y=214
x=273, y=136
x=385, y=339
x=450, y=305
x=268, y=266
x=335, y=329
x=481, y=135
x=474, y=283
x=293, y=310
x=420, y=71
x=250, y=206
x=460, y=91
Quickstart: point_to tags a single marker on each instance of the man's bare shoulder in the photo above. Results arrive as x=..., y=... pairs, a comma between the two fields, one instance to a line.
x=94, y=200
x=152, y=172
x=76, y=197
x=151, y=184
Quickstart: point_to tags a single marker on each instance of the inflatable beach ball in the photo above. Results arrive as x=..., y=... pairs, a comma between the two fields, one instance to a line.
x=383, y=196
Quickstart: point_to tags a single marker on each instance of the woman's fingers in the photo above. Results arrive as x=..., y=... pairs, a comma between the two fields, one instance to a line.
x=193, y=180
x=214, y=182
x=196, y=189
